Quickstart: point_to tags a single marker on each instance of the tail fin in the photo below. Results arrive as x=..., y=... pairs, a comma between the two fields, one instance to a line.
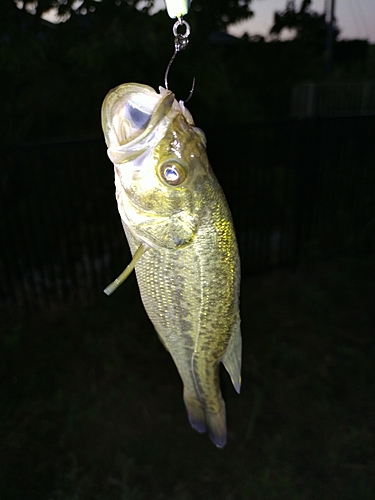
x=202, y=419
x=217, y=427
x=195, y=412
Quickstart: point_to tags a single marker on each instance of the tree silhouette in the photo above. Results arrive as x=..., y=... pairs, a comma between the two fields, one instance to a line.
x=309, y=26
x=64, y=7
x=217, y=13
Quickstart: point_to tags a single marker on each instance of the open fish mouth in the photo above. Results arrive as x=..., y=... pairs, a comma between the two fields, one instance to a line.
x=134, y=119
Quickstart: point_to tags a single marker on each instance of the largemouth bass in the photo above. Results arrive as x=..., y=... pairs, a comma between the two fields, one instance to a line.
x=180, y=232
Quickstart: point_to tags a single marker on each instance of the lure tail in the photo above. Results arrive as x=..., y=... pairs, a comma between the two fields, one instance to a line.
x=118, y=281
x=203, y=420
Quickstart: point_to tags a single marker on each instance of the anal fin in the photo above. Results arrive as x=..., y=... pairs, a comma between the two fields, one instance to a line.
x=232, y=357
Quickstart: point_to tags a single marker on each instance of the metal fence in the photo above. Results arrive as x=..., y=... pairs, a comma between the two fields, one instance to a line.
x=298, y=189
x=333, y=99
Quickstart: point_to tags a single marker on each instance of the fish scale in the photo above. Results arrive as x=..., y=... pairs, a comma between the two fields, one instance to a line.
x=189, y=273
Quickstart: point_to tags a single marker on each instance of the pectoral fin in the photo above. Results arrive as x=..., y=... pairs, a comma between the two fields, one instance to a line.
x=118, y=281
x=172, y=232
x=232, y=357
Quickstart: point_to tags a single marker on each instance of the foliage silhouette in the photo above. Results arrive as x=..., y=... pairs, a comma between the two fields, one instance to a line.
x=216, y=13
x=54, y=77
x=309, y=26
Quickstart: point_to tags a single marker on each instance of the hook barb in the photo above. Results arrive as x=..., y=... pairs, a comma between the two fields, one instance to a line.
x=191, y=92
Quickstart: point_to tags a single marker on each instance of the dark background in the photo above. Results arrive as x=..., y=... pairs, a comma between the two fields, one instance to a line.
x=91, y=404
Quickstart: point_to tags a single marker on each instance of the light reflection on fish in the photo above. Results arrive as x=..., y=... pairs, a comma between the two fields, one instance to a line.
x=181, y=235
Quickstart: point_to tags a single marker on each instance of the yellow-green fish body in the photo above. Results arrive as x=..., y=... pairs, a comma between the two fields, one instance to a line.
x=174, y=211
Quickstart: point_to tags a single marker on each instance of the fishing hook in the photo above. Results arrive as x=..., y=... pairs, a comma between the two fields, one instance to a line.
x=180, y=43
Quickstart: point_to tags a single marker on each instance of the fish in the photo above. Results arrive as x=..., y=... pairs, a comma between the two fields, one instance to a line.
x=183, y=244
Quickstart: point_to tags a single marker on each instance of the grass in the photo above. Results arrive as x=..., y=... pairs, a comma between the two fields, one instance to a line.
x=91, y=403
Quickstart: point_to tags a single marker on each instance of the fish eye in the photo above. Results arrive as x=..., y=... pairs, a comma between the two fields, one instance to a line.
x=172, y=173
